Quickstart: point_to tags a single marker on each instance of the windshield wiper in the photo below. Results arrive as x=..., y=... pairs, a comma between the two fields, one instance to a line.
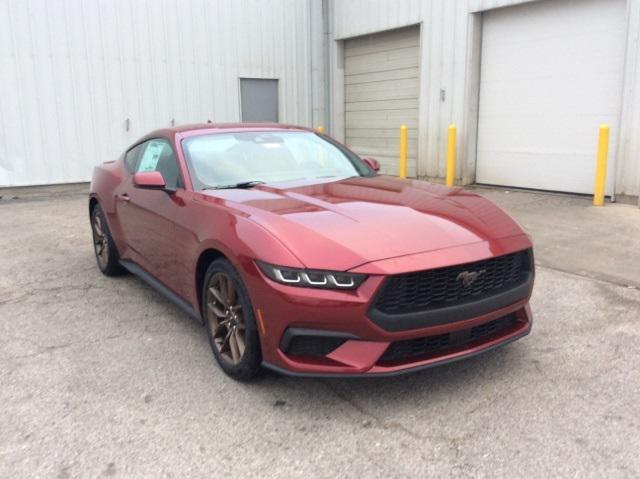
x=241, y=185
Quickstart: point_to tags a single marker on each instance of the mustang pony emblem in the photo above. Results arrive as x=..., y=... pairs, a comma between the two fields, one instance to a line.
x=469, y=277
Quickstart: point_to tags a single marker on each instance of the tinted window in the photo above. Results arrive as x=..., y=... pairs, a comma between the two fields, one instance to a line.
x=131, y=158
x=157, y=155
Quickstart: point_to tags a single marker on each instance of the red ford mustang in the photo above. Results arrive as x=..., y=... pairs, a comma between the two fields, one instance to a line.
x=297, y=256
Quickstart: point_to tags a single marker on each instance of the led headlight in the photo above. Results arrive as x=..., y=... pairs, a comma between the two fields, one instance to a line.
x=307, y=278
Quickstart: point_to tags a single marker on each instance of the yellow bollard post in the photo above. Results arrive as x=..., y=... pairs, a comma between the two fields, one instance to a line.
x=451, y=156
x=601, y=166
x=320, y=129
x=403, y=151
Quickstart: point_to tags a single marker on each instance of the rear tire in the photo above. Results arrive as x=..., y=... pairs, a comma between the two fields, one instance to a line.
x=103, y=245
x=230, y=323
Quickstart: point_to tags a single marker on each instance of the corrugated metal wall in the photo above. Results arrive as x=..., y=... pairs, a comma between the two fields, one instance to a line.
x=450, y=38
x=442, y=58
x=72, y=72
x=628, y=161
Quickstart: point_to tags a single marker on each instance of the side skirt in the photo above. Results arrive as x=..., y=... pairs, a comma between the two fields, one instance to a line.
x=133, y=268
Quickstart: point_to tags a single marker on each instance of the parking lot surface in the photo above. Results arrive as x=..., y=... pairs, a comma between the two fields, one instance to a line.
x=104, y=377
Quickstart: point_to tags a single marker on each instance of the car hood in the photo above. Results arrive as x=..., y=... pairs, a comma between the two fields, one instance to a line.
x=340, y=225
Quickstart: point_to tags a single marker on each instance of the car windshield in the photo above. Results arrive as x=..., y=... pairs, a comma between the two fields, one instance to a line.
x=251, y=157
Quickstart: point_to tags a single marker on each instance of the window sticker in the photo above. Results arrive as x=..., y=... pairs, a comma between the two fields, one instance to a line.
x=151, y=155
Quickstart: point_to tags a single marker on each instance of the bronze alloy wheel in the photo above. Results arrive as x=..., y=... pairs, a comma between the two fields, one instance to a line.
x=100, y=241
x=226, y=318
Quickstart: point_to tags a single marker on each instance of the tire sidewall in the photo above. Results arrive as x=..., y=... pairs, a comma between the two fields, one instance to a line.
x=112, y=268
x=250, y=363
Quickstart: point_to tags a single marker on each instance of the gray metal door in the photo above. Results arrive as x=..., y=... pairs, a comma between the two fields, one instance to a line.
x=259, y=99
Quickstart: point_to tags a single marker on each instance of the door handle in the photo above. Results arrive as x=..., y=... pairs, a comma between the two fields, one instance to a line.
x=125, y=197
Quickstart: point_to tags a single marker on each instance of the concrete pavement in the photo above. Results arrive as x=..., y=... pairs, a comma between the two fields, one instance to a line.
x=104, y=377
x=572, y=235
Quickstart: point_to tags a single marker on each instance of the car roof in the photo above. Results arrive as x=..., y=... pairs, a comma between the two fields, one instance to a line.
x=187, y=130
x=224, y=127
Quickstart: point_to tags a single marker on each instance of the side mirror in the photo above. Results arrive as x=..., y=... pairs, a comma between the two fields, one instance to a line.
x=372, y=163
x=150, y=180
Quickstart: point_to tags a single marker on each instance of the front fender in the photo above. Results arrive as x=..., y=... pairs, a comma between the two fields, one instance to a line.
x=210, y=226
x=106, y=178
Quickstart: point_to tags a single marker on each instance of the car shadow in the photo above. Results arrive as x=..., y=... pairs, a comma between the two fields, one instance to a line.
x=473, y=380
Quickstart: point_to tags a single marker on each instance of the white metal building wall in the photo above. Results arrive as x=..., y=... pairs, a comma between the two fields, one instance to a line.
x=72, y=72
x=442, y=64
x=59, y=57
x=449, y=57
x=628, y=168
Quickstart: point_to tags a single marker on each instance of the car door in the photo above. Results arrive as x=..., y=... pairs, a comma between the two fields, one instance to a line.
x=147, y=215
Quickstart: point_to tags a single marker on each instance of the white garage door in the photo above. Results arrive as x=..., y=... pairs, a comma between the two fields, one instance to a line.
x=381, y=93
x=551, y=73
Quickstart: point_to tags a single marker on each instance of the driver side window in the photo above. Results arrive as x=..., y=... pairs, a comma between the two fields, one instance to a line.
x=157, y=155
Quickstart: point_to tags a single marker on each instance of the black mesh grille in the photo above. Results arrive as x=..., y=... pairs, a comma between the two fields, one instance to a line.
x=314, y=346
x=419, y=347
x=437, y=288
x=492, y=327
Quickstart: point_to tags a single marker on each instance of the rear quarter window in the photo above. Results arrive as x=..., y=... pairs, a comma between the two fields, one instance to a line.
x=131, y=158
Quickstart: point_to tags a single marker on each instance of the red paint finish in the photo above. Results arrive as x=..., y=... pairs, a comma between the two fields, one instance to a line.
x=373, y=163
x=374, y=225
x=149, y=179
x=358, y=354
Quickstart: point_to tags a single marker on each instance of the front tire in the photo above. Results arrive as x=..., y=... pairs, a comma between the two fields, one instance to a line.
x=103, y=245
x=230, y=323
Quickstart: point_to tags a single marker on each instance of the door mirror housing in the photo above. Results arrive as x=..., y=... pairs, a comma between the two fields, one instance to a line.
x=150, y=180
x=372, y=163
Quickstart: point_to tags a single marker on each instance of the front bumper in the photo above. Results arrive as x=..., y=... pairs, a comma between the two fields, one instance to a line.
x=380, y=371
x=356, y=345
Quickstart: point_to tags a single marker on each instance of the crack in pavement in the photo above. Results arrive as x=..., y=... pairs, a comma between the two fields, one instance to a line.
x=359, y=408
x=56, y=347
x=453, y=443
